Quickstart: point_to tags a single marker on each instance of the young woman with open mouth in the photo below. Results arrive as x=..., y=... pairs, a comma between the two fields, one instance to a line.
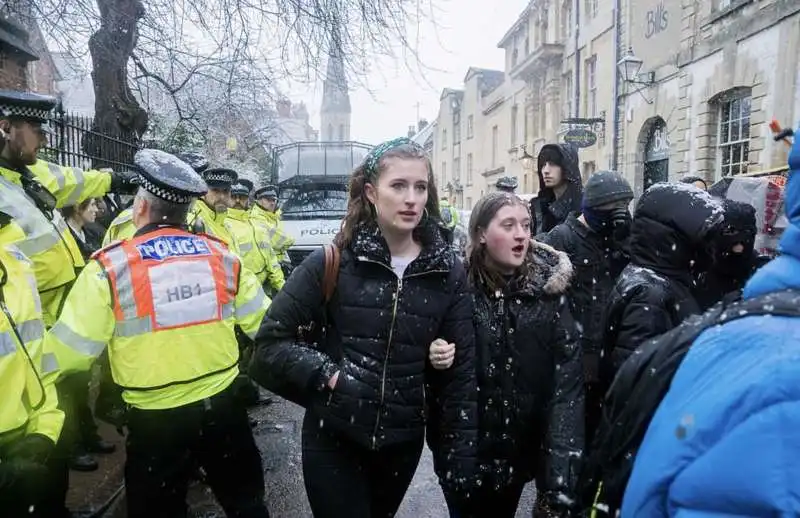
x=529, y=367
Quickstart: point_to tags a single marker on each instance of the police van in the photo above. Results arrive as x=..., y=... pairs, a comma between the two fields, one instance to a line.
x=312, y=180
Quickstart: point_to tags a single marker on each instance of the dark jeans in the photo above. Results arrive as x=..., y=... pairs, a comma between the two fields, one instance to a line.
x=165, y=446
x=487, y=502
x=344, y=480
x=80, y=429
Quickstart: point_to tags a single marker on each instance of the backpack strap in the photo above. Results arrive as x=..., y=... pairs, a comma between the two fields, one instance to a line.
x=331, y=275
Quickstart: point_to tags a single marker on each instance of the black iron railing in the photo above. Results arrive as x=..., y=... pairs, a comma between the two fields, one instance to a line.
x=74, y=142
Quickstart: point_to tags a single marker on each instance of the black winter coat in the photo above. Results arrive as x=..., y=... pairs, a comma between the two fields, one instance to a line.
x=653, y=293
x=530, y=378
x=597, y=262
x=379, y=332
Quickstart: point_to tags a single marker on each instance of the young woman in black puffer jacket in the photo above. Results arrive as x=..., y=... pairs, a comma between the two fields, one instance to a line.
x=529, y=366
x=364, y=384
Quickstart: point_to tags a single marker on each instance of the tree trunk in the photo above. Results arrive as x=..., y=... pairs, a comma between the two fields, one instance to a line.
x=119, y=120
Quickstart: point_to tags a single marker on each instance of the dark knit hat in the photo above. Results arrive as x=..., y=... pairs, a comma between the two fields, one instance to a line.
x=606, y=187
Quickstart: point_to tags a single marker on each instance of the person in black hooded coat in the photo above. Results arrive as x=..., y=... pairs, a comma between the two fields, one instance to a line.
x=560, y=187
x=669, y=234
x=364, y=383
x=735, y=259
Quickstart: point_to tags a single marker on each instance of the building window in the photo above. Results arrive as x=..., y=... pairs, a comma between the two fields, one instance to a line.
x=469, y=202
x=514, y=115
x=456, y=127
x=527, y=45
x=566, y=18
x=591, y=86
x=734, y=135
x=569, y=93
x=495, y=142
x=514, y=57
x=525, y=125
x=591, y=8
x=470, y=127
x=444, y=176
x=457, y=169
x=470, y=165
x=444, y=138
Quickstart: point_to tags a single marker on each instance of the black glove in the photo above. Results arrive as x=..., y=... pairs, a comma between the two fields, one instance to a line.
x=23, y=479
x=34, y=447
x=113, y=411
x=124, y=182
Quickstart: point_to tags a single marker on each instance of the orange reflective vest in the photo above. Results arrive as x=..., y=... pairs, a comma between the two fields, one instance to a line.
x=173, y=295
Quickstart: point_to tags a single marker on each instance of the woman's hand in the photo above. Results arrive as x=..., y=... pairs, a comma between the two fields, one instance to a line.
x=334, y=379
x=442, y=354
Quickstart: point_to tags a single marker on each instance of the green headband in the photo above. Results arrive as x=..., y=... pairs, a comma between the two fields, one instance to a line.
x=375, y=155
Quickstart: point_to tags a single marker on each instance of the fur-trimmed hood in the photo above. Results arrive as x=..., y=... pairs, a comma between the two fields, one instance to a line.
x=549, y=271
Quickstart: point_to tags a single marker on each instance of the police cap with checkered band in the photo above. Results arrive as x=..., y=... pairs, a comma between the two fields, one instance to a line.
x=268, y=191
x=168, y=177
x=26, y=106
x=242, y=188
x=220, y=178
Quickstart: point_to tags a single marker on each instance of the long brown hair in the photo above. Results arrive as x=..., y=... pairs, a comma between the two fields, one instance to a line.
x=359, y=209
x=481, y=270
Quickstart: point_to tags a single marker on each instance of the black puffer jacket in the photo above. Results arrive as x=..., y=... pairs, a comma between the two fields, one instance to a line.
x=379, y=333
x=597, y=262
x=549, y=211
x=530, y=378
x=653, y=293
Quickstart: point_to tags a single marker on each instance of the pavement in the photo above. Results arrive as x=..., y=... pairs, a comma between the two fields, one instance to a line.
x=277, y=434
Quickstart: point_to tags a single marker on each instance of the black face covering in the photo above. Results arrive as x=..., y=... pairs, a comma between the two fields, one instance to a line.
x=725, y=259
x=614, y=223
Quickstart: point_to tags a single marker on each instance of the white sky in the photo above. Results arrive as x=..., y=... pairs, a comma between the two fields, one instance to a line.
x=466, y=35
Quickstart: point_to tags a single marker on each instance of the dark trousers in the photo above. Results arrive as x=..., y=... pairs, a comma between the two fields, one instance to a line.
x=165, y=446
x=344, y=480
x=33, y=490
x=487, y=502
x=79, y=428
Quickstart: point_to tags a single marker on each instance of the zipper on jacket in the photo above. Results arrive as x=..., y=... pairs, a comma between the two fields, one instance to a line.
x=386, y=363
x=389, y=342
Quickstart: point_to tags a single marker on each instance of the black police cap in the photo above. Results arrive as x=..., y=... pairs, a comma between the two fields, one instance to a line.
x=507, y=183
x=26, y=105
x=198, y=162
x=168, y=177
x=268, y=191
x=240, y=189
x=220, y=178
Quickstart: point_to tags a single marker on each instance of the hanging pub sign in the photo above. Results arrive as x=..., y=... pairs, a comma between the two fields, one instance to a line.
x=580, y=137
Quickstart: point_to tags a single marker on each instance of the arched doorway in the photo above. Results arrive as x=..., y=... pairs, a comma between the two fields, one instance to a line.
x=656, y=154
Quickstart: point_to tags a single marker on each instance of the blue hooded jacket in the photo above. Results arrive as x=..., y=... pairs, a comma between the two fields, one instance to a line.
x=725, y=441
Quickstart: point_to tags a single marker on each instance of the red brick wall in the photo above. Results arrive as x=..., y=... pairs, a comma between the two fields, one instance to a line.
x=42, y=74
x=13, y=72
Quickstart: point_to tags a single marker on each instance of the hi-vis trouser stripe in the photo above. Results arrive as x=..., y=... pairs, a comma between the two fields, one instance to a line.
x=61, y=180
x=132, y=324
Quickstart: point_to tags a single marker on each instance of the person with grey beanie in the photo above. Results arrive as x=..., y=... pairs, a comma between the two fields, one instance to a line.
x=596, y=242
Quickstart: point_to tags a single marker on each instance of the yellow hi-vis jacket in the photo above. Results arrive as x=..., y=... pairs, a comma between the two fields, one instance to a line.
x=121, y=227
x=211, y=222
x=27, y=371
x=166, y=302
x=279, y=239
x=45, y=238
x=252, y=238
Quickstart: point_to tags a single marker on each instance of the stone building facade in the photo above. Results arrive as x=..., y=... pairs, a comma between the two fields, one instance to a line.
x=722, y=70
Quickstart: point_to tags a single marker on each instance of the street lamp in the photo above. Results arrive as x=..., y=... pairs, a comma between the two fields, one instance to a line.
x=528, y=162
x=629, y=68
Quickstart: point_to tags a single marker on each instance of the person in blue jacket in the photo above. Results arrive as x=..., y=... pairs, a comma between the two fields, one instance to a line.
x=725, y=441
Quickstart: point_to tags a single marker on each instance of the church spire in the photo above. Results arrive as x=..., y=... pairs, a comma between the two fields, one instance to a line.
x=335, y=112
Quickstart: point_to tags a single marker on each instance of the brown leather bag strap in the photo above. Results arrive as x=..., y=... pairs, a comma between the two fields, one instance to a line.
x=331, y=275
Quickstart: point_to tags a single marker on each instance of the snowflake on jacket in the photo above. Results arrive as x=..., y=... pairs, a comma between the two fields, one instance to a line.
x=530, y=377
x=379, y=331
